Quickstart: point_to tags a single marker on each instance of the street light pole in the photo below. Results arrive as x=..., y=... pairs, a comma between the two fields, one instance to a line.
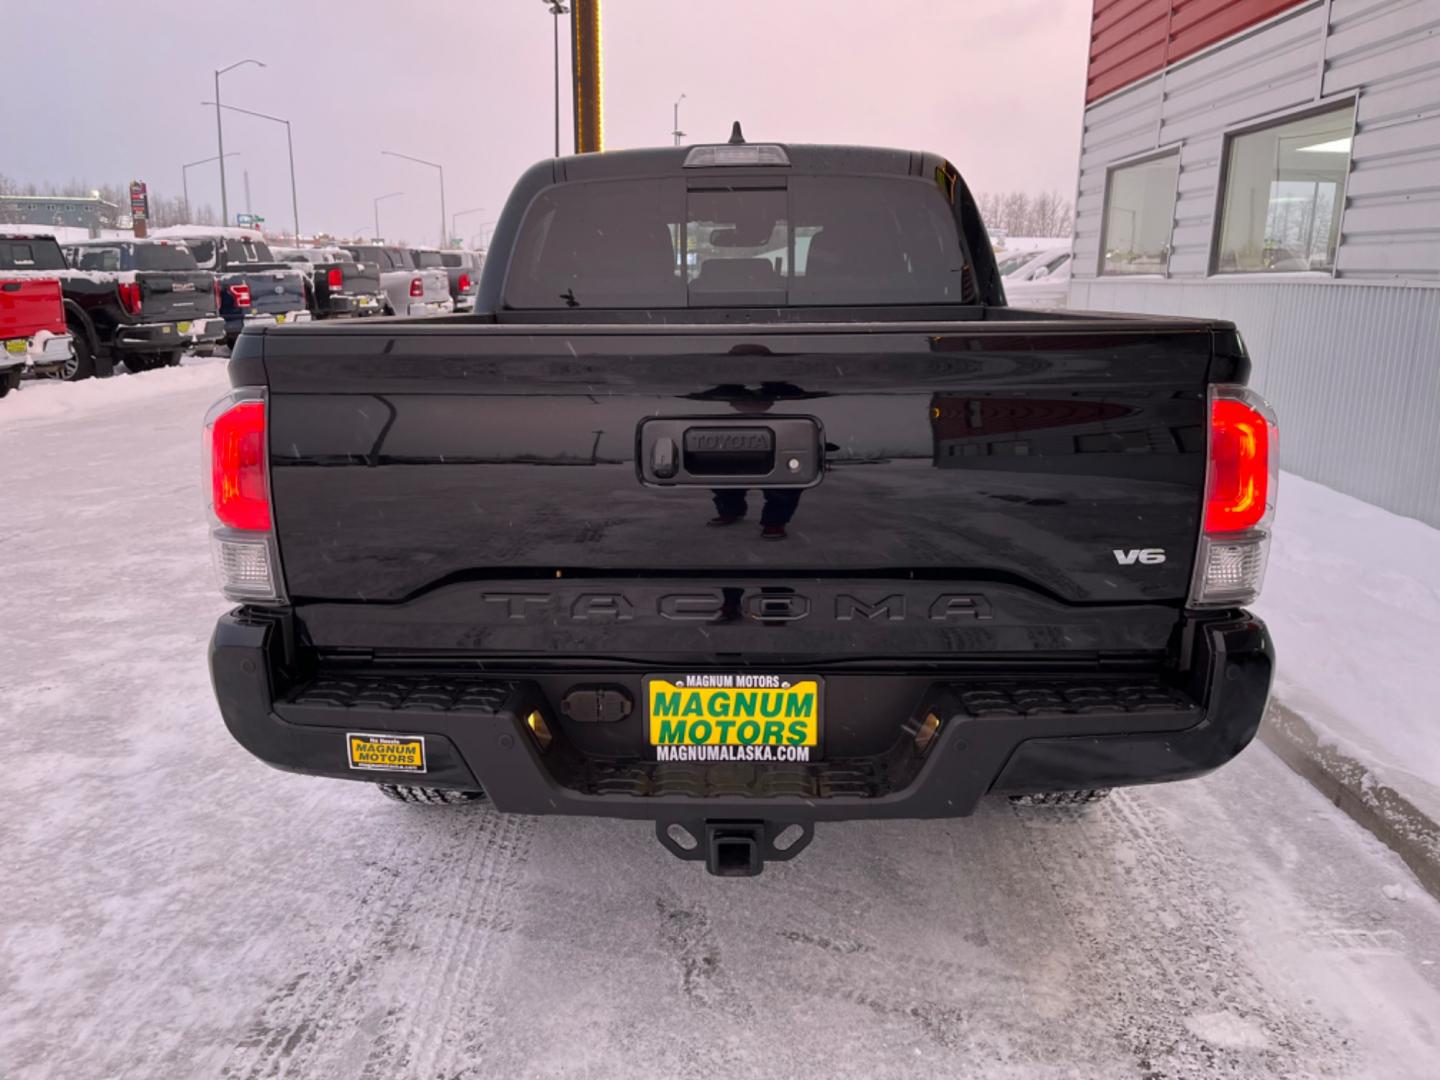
x=377, y=211
x=289, y=144
x=677, y=132
x=220, y=136
x=444, y=243
x=557, y=8
x=185, y=179
x=455, y=218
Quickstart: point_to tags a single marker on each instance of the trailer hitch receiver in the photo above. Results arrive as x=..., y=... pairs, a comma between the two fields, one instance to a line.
x=735, y=848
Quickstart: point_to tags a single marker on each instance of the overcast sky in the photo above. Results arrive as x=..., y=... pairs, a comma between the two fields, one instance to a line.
x=996, y=87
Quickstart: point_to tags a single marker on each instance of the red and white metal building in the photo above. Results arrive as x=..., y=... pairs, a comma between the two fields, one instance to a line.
x=1277, y=163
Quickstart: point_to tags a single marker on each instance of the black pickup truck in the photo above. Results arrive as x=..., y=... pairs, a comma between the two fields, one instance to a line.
x=256, y=289
x=743, y=502
x=143, y=302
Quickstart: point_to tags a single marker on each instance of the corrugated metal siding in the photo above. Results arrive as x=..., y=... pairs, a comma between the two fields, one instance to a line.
x=1353, y=370
x=1388, y=51
x=1132, y=39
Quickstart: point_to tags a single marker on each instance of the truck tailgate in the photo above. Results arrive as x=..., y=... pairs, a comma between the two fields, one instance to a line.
x=275, y=292
x=487, y=481
x=28, y=305
x=176, y=294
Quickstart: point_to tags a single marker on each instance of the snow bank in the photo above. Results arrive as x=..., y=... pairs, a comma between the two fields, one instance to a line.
x=43, y=399
x=230, y=232
x=66, y=234
x=1353, y=599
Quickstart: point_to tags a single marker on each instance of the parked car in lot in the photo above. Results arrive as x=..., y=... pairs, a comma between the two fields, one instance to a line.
x=1006, y=262
x=740, y=543
x=462, y=268
x=166, y=303
x=409, y=290
x=146, y=306
x=256, y=288
x=336, y=285
x=1043, y=281
x=33, y=335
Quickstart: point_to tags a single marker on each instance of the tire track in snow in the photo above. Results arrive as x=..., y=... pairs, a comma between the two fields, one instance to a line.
x=410, y=952
x=1130, y=890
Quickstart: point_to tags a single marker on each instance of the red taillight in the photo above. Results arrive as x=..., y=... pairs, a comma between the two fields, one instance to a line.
x=130, y=296
x=336, y=277
x=417, y=287
x=1238, y=483
x=241, y=295
x=239, y=492
x=464, y=283
x=217, y=294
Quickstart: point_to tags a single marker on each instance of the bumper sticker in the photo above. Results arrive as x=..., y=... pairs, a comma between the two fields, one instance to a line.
x=386, y=753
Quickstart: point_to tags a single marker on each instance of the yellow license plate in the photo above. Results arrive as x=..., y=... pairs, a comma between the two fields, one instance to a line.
x=386, y=753
x=184, y=328
x=279, y=318
x=19, y=345
x=734, y=717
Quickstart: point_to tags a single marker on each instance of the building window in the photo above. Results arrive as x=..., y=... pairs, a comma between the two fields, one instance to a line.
x=1139, y=213
x=1284, y=189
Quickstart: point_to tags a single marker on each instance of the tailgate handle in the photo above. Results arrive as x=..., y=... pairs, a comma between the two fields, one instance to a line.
x=11, y=286
x=709, y=451
x=729, y=451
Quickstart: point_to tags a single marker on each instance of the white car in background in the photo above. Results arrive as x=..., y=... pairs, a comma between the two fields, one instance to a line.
x=1042, y=282
x=1009, y=261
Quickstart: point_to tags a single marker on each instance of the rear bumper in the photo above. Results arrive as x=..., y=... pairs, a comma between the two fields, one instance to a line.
x=998, y=735
x=236, y=323
x=353, y=307
x=430, y=307
x=152, y=337
x=42, y=353
x=464, y=303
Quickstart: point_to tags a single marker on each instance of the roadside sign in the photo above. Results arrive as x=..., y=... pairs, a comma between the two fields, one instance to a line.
x=139, y=200
x=249, y=219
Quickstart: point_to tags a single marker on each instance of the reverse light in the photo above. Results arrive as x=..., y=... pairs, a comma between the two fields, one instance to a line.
x=238, y=497
x=1241, y=476
x=335, y=278
x=129, y=296
x=241, y=295
x=417, y=287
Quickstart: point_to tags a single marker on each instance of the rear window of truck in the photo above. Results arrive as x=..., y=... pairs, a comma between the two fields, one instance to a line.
x=161, y=257
x=801, y=240
x=34, y=254
x=247, y=251
x=427, y=260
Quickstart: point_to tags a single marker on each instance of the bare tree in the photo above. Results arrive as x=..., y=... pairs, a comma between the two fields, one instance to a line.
x=1021, y=214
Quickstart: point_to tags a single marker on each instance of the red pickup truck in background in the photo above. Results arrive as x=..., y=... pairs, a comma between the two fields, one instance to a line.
x=33, y=335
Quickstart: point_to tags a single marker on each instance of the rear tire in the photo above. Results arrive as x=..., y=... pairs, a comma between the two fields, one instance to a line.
x=82, y=364
x=432, y=796
x=138, y=362
x=10, y=380
x=1062, y=798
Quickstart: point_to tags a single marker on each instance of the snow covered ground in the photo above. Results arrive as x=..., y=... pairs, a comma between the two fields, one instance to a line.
x=1353, y=598
x=173, y=908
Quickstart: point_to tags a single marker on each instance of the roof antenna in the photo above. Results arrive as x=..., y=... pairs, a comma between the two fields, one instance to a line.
x=737, y=138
